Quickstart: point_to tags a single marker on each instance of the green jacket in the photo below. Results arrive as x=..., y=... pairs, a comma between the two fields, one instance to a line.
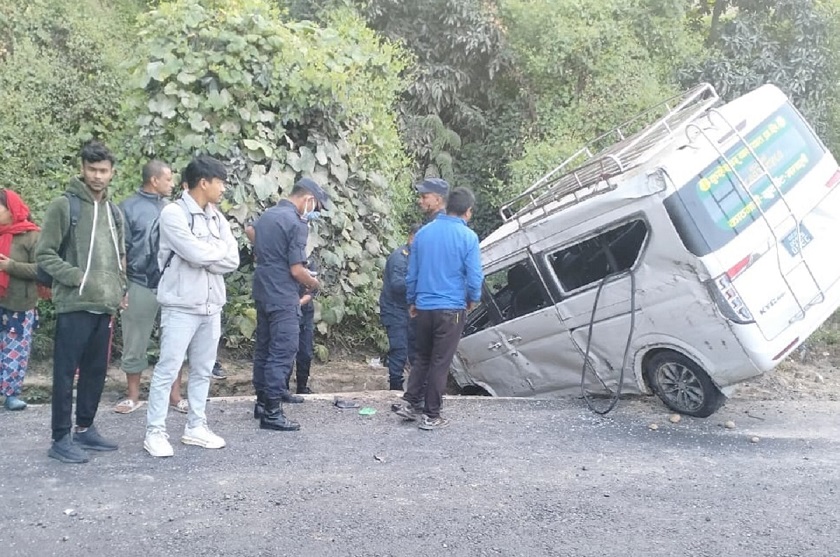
x=85, y=280
x=22, y=294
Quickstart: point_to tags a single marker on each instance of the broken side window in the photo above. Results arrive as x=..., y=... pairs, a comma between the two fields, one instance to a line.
x=508, y=293
x=593, y=259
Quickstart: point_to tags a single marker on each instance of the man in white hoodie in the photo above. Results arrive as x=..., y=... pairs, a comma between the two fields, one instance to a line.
x=196, y=249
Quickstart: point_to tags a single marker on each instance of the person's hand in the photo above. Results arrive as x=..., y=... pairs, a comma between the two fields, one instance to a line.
x=412, y=311
x=305, y=299
x=5, y=262
x=124, y=302
x=471, y=306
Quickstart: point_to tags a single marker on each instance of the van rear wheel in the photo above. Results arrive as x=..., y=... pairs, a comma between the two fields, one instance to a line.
x=682, y=385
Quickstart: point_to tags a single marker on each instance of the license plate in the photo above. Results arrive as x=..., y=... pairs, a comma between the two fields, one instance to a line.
x=796, y=243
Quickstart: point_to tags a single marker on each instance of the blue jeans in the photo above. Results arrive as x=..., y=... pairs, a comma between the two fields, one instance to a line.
x=183, y=334
x=278, y=331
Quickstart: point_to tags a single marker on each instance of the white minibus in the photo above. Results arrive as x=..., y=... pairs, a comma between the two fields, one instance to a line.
x=680, y=254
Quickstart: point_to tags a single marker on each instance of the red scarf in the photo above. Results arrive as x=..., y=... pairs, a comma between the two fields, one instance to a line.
x=20, y=224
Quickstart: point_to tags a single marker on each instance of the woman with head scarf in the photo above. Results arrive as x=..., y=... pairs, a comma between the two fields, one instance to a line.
x=18, y=295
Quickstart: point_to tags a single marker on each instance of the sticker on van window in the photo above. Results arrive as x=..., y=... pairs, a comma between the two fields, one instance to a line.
x=733, y=192
x=722, y=200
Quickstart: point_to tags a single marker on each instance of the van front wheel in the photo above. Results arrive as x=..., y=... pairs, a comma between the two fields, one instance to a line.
x=682, y=385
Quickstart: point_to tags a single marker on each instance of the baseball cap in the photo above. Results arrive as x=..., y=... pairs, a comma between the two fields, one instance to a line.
x=312, y=187
x=433, y=185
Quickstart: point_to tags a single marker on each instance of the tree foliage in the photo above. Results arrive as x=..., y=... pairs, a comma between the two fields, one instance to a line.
x=369, y=96
x=589, y=66
x=791, y=43
x=276, y=101
x=457, y=114
x=61, y=83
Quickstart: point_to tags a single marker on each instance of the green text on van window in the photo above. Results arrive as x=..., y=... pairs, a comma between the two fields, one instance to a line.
x=785, y=149
x=724, y=199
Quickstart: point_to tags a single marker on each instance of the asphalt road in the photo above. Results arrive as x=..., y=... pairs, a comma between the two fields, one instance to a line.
x=522, y=477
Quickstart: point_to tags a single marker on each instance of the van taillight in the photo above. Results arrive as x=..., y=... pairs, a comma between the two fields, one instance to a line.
x=740, y=266
x=834, y=180
x=728, y=301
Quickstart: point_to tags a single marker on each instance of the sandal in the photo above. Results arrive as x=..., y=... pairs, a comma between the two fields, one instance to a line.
x=127, y=406
x=183, y=406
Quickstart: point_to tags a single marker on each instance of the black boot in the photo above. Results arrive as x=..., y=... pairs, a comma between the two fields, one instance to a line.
x=259, y=406
x=273, y=418
x=395, y=386
x=302, y=389
x=289, y=398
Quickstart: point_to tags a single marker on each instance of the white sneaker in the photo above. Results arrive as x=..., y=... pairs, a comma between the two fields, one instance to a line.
x=157, y=444
x=201, y=436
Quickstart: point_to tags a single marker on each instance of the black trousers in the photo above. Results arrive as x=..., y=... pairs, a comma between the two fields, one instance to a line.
x=306, y=347
x=278, y=332
x=438, y=333
x=81, y=342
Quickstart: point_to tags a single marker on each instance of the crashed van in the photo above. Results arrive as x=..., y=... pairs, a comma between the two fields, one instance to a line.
x=689, y=250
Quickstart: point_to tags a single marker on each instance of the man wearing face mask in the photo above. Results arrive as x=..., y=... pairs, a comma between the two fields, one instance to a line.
x=279, y=238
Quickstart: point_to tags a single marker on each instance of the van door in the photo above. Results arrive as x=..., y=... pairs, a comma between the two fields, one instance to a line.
x=578, y=270
x=515, y=344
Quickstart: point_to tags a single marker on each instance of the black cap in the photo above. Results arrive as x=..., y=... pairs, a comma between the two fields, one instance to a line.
x=433, y=185
x=312, y=187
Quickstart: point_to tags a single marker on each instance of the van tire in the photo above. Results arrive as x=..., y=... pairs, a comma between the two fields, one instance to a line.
x=682, y=385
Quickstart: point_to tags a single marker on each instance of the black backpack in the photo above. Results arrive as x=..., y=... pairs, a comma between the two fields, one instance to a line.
x=153, y=271
x=42, y=276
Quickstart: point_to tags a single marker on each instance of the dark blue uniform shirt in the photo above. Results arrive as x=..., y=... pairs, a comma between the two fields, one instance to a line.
x=309, y=307
x=280, y=242
x=392, y=307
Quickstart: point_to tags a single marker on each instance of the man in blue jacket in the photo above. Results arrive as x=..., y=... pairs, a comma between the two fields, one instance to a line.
x=393, y=312
x=443, y=283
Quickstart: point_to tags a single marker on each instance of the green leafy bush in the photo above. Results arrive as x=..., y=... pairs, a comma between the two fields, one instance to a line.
x=277, y=100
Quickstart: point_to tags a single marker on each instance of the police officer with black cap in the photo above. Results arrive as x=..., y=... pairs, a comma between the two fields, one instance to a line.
x=279, y=237
x=433, y=193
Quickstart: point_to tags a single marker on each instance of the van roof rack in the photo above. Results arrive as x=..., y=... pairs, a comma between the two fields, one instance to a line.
x=587, y=172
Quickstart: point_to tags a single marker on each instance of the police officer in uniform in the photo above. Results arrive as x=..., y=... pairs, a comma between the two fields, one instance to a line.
x=306, y=344
x=431, y=197
x=279, y=238
x=393, y=313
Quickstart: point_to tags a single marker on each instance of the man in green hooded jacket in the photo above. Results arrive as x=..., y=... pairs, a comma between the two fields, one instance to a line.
x=88, y=271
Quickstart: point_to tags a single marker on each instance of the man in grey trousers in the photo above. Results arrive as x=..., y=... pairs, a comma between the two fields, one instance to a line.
x=138, y=320
x=196, y=249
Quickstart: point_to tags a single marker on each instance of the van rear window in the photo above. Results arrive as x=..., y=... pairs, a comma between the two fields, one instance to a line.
x=715, y=207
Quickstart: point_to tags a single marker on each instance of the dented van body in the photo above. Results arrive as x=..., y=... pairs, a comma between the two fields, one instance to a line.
x=704, y=238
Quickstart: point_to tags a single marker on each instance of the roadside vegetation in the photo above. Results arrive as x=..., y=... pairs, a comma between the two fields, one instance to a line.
x=368, y=96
